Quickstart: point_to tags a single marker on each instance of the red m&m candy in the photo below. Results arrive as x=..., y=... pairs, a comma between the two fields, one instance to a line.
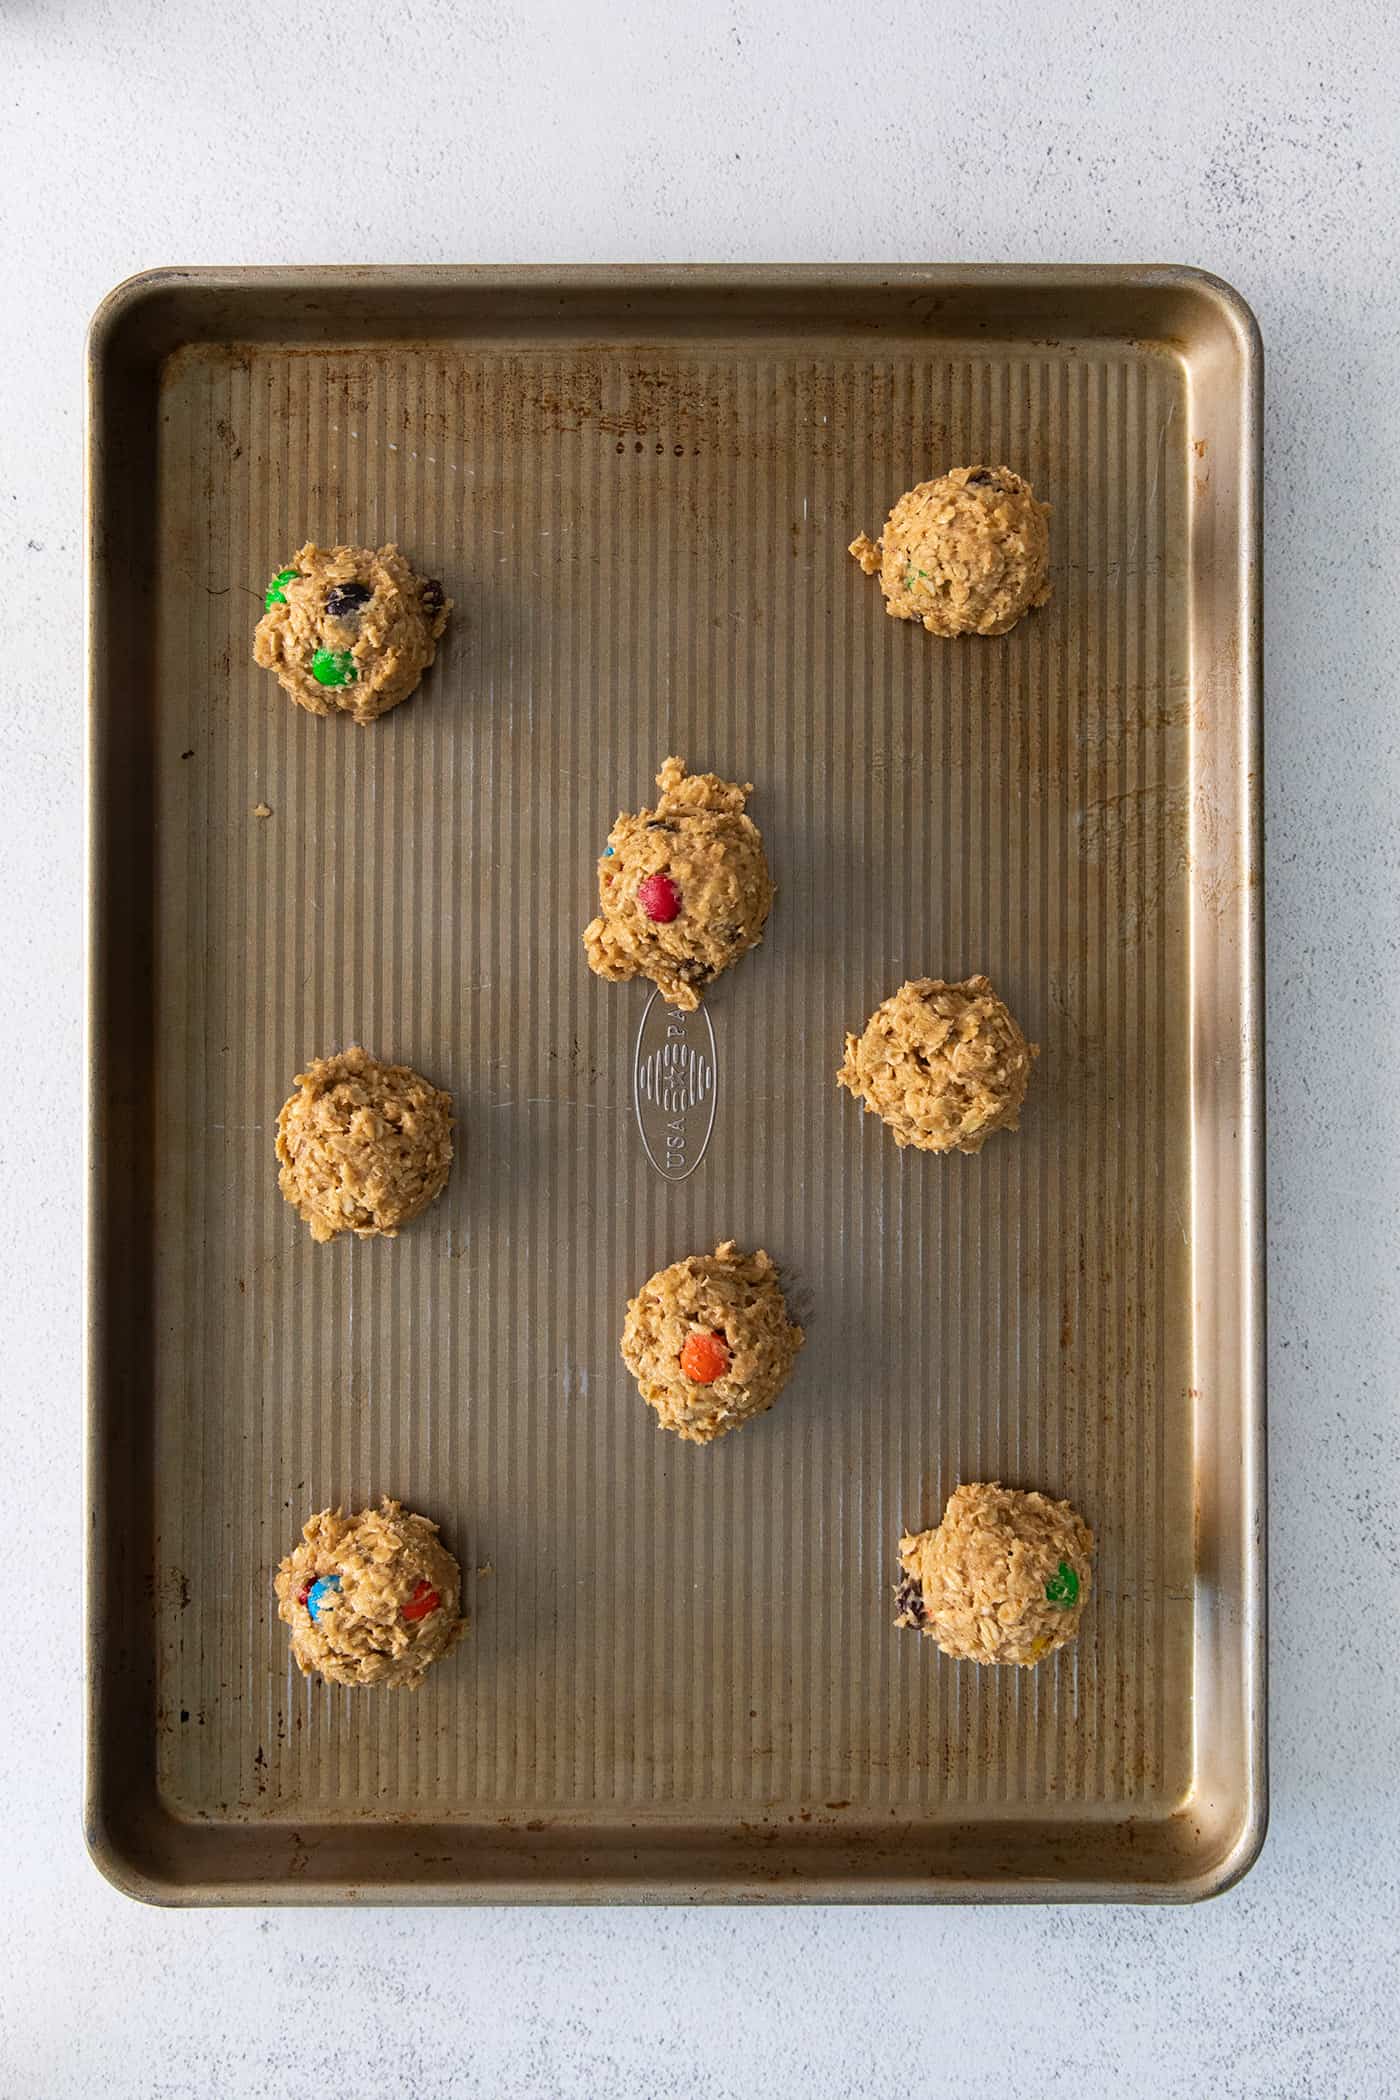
x=425, y=1599
x=659, y=899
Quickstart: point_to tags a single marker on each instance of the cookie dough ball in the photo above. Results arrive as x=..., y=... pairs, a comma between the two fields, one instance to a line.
x=966, y=554
x=684, y=888
x=709, y=1342
x=943, y=1064
x=371, y=1599
x=364, y=1146
x=1004, y=1578
x=350, y=630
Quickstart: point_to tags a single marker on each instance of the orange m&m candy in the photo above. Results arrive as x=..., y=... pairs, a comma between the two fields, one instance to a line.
x=705, y=1358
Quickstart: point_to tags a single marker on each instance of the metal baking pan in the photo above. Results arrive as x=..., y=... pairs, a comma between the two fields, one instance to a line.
x=682, y=1681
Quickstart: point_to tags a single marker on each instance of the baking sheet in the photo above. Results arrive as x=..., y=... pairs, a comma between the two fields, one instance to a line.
x=682, y=1681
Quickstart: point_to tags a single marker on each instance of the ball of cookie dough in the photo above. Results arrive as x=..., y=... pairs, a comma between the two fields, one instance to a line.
x=371, y=1599
x=709, y=1342
x=364, y=1146
x=1004, y=1578
x=350, y=630
x=943, y=1064
x=684, y=888
x=965, y=554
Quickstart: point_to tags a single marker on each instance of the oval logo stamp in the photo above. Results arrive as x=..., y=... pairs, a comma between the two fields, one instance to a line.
x=674, y=1080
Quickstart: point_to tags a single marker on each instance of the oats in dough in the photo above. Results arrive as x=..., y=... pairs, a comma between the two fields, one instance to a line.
x=364, y=1146
x=684, y=888
x=965, y=554
x=371, y=1599
x=944, y=1065
x=1003, y=1579
x=350, y=630
x=709, y=1342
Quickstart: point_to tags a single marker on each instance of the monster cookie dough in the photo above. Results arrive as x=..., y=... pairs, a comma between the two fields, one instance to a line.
x=684, y=887
x=364, y=1146
x=371, y=1599
x=350, y=630
x=943, y=1064
x=709, y=1342
x=966, y=554
x=1004, y=1578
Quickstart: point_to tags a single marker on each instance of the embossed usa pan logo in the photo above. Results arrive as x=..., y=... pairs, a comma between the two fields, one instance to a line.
x=674, y=1081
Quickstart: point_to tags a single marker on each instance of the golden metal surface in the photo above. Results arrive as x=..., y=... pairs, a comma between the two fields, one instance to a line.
x=682, y=1681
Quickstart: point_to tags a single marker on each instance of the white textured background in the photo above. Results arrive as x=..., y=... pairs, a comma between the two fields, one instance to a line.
x=1219, y=133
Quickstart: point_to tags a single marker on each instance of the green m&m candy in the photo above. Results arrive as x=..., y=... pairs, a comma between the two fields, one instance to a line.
x=276, y=595
x=333, y=667
x=1063, y=1587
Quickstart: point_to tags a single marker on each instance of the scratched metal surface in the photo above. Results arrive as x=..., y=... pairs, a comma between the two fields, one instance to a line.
x=681, y=1678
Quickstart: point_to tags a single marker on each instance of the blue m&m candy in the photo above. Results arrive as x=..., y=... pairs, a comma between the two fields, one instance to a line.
x=320, y=1592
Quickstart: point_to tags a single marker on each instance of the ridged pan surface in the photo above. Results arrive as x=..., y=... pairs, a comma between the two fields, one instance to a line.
x=681, y=1678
